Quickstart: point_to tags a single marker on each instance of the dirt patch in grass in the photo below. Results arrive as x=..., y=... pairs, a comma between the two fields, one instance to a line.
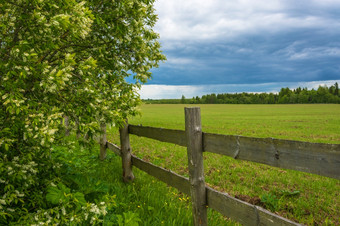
x=252, y=200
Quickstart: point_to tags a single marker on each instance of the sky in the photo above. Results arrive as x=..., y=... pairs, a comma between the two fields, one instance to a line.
x=220, y=46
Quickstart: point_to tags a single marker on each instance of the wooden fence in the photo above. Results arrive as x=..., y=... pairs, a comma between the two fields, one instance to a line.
x=322, y=159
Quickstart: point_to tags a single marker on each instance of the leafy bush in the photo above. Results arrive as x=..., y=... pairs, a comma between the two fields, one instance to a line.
x=58, y=58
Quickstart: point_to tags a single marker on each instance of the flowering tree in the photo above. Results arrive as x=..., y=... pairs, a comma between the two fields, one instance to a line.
x=65, y=57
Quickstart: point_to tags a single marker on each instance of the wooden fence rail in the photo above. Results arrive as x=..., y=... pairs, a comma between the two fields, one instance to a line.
x=317, y=158
x=236, y=209
x=322, y=159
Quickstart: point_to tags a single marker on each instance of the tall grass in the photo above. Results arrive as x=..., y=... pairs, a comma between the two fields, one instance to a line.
x=146, y=201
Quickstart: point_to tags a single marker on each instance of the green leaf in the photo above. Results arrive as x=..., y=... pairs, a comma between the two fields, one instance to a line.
x=80, y=198
x=54, y=195
x=290, y=193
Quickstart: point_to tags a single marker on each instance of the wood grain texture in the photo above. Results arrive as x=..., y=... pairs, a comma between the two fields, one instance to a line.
x=126, y=154
x=193, y=129
x=102, y=141
x=317, y=158
x=67, y=126
x=165, y=135
x=243, y=212
x=114, y=148
x=167, y=176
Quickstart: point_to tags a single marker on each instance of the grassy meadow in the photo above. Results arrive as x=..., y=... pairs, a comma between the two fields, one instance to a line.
x=301, y=197
x=305, y=122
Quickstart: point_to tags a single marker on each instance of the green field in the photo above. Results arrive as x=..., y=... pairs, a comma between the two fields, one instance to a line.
x=312, y=123
x=302, y=197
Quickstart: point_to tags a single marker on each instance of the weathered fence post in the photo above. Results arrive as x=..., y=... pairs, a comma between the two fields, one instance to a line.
x=102, y=141
x=77, y=128
x=126, y=153
x=193, y=130
x=67, y=126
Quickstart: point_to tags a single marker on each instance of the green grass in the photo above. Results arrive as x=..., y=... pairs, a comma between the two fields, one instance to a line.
x=305, y=122
x=146, y=200
x=302, y=197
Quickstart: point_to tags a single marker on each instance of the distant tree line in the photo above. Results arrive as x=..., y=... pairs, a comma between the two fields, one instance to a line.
x=300, y=95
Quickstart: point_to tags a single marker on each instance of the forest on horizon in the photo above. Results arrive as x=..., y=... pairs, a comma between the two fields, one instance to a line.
x=299, y=95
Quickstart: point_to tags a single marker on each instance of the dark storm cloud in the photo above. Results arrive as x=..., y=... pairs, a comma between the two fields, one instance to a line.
x=220, y=43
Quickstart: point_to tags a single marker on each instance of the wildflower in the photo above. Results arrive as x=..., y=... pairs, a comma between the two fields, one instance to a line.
x=3, y=202
x=104, y=212
x=20, y=195
x=11, y=210
x=92, y=220
x=94, y=209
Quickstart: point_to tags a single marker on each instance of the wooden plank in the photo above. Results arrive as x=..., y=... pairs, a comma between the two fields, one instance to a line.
x=220, y=144
x=114, y=148
x=193, y=129
x=317, y=158
x=102, y=141
x=126, y=154
x=322, y=159
x=167, y=176
x=243, y=212
x=164, y=135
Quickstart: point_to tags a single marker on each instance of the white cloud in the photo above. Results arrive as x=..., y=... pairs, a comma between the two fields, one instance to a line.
x=209, y=41
x=175, y=92
x=179, y=60
x=167, y=91
x=220, y=19
x=309, y=53
x=296, y=51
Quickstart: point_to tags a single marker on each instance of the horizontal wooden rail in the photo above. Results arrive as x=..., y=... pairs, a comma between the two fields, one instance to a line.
x=167, y=176
x=243, y=212
x=317, y=158
x=166, y=135
x=114, y=148
x=227, y=205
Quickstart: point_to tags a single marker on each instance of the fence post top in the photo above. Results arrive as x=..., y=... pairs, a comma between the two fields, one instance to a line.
x=192, y=109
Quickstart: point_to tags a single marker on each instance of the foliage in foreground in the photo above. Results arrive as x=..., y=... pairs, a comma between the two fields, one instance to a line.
x=73, y=196
x=87, y=191
x=64, y=58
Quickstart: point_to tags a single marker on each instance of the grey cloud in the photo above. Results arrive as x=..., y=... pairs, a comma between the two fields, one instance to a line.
x=221, y=42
